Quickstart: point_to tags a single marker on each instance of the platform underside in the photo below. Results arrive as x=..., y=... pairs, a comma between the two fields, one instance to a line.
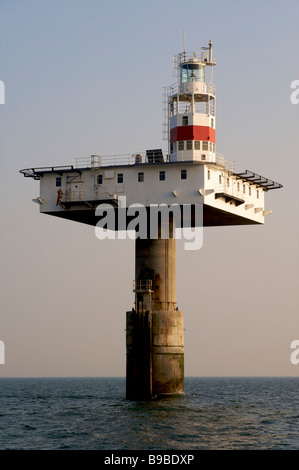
x=212, y=217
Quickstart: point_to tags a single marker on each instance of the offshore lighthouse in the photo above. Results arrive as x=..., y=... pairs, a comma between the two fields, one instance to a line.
x=191, y=174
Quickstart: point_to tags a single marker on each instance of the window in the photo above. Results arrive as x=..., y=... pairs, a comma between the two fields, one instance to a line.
x=214, y=148
x=162, y=176
x=212, y=122
x=58, y=181
x=185, y=120
x=189, y=144
x=211, y=147
x=205, y=145
x=238, y=186
x=220, y=179
x=197, y=145
x=249, y=190
x=227, y=182
x=257, y=195
x=100, y=179
x=140, y=177
x=120, y=178
x=181, y=145
x=171, y=148
x=244, y=188
x=183, y=174
x=203, y=157
x=174, y=146
x=209, y=174
x=191, y=72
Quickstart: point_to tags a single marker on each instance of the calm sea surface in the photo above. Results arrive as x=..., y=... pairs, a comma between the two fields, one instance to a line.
x=92, y=413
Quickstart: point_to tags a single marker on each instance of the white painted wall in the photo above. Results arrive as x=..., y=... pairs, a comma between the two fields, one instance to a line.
x=196, y=189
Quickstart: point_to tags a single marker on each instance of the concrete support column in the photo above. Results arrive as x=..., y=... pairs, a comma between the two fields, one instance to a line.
x=155, y=328
x=155, y=261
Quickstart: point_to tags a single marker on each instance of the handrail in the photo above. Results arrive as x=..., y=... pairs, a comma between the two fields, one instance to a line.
x=115, y=160
x=142, y=285
x=230, y=190
x=201, y=56
x=111, y=160
x=228, y=165
x=174, y=89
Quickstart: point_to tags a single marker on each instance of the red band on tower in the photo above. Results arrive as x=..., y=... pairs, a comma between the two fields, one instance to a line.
x=192, y=133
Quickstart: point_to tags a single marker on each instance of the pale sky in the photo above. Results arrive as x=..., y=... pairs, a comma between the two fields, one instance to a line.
x=86, y=77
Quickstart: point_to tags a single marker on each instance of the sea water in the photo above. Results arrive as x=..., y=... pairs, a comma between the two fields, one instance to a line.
x=93, y=414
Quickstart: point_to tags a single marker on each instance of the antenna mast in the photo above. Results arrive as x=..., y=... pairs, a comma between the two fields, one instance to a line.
x=210, y=58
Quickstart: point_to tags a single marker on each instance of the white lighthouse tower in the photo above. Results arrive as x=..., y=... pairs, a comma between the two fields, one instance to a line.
x=191, y=174
x=190, y=108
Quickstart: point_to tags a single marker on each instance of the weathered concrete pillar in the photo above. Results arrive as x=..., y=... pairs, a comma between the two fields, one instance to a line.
x=155, y=328
x=167, y=352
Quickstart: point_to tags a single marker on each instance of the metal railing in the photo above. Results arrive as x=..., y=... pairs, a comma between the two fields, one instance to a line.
x=174, y=89
x=94, y=161
x=139, y=158
x=199, y=56
x=230, y=189
x=73, y=196
x=98, y=194
x=211, y=157
x=143, y=285
x=111, y=160
x=220, y=160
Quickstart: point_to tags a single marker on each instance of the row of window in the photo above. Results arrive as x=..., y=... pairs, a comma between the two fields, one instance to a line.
x=162, y=177
x=140, y=176
x=185, y=121
x=188, y=145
